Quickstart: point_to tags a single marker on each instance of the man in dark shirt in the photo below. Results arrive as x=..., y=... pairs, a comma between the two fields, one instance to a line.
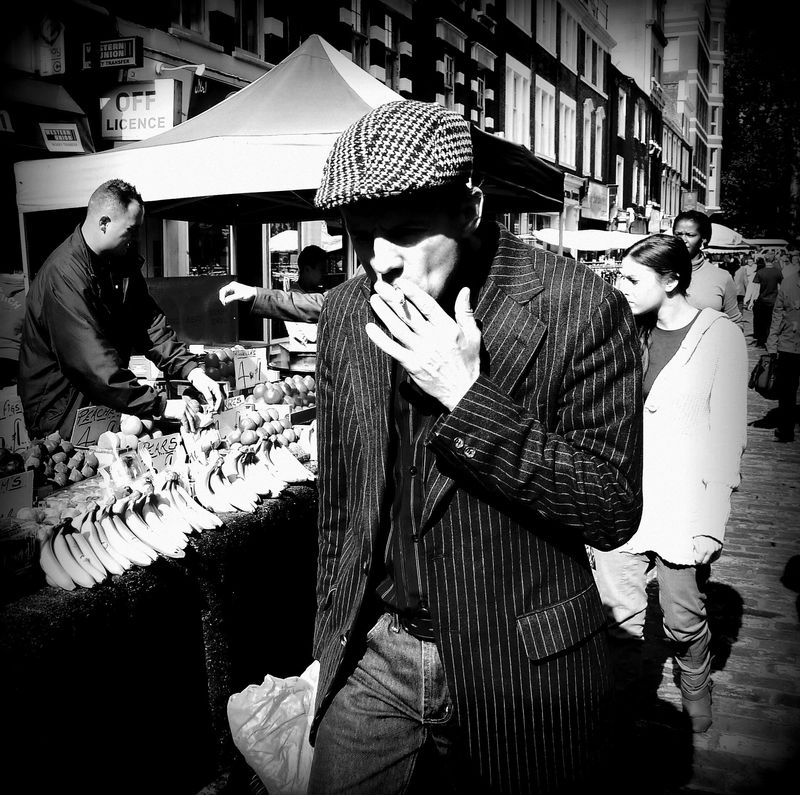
x=87, y=311
x=768, y=280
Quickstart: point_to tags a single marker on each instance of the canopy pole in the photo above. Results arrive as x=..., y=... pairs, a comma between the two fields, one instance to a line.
x=561, y=233
x=23, y=244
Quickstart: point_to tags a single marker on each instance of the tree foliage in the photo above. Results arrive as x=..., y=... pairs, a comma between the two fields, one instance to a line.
x=761, y=125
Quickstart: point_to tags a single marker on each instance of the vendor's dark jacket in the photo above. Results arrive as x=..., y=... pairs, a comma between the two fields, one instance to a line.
x=541, y=457
x=78, y=336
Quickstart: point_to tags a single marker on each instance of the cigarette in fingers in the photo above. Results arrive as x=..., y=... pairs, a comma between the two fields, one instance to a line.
x=390, y=292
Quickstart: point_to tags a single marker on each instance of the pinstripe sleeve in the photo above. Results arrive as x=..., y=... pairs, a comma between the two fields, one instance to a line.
x=585, y=472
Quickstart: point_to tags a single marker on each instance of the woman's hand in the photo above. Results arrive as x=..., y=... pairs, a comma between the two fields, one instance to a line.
x=706, y=550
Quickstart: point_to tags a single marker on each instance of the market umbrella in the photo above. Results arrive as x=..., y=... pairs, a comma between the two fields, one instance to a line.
x=588, y=239
x=288, y=241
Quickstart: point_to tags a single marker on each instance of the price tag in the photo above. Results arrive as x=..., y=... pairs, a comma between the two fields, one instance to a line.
x=233, y=401
x=13, y=434
x=250, y=367
x=226, y=421
x=166, y=451
x=16, y=491
x=92, y=421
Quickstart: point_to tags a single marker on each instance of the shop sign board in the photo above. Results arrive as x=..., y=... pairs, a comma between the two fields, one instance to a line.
x=251, y=367
x=16, y=491
x=51, y=47
x=233, y=401
x=162, y=453
x=123, y=53
x=13, y=434
x=91, y=422
x=60, y=137
x=136, y=111
x=595, y=204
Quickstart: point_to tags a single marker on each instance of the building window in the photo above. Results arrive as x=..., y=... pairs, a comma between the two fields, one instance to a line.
x=566, y=127
x=593, y=62
x=715, y=42
x=622, y=106
x=188, y=14
x=546, y=24
x=656, y=65
x=569, y=40
x=449, y=81
x=392, y=78
x=702, y=63
x=701, y=110
x=545, y=118
x=518, y=102
x=519, y=12
x=588, y=109
x=716, y=79
x=249, y=16
x=360, y=50
x=714, y=128
x=480, y=101
x=599, y=119
x=640, y=123
x=620, y=176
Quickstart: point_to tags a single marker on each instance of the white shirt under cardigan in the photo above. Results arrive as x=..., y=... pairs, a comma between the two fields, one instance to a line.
x=695, y=430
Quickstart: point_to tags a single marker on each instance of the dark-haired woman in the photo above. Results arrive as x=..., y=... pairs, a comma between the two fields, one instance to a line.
x=695, y=374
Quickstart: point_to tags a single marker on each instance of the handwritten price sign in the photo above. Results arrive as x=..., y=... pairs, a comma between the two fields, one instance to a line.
x=16, y=491
x=13, y=434
x=250, y=367
x=166, y=451
x=90, y=422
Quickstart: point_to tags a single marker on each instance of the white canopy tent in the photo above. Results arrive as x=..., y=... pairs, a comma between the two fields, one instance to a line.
x=724, y=240
x=588, y=239
x=289, y=240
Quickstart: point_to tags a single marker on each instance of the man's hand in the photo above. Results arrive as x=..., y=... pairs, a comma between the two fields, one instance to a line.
x=706, y=549
x=442, y=355
x=209, y=388
x=235, y=291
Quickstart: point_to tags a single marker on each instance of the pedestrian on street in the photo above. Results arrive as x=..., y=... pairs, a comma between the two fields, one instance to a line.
x=766, y=281
x=740, y=278
x=479, y=415
x=695, y=371
x=711, y=285
x=784, y=342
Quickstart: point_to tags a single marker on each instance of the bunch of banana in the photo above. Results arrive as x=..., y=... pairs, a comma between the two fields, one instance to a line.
x=177, y=505
x=217, y=492
x=243, y=462
x=65, y=564
x=283, y=464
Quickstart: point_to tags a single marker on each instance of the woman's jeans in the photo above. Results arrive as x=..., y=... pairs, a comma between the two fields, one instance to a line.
x=394, y=703
x=622, y=581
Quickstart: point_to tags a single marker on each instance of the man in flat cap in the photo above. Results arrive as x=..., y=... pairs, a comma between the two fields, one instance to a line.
x=479, y=413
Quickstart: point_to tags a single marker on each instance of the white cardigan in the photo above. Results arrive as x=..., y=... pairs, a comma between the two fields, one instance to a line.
x=695, y=430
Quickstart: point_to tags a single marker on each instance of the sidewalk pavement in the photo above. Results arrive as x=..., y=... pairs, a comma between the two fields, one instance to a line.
x=753, y=745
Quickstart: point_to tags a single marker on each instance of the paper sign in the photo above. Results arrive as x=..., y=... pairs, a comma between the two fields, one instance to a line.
x=226, y=421
x=251, y=367
x=13, y=434
x=166, y=451
x=92, y=421
x=233, y=401
x=16, y=491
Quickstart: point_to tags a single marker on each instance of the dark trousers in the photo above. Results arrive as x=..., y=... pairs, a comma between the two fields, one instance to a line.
x=788, y=379
x=762, y=319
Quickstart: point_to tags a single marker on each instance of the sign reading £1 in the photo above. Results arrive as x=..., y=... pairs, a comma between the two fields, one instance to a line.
x=135, y=111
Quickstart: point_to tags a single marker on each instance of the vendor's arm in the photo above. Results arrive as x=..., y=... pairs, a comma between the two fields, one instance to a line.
x=585, y=472
x=290, y=305
x=88, y=358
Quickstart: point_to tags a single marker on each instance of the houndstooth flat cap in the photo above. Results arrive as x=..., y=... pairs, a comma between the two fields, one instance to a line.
x=394, y=149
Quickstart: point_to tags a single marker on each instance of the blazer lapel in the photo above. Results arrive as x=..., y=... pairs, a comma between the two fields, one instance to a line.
x=371, y=376
x=511, y=337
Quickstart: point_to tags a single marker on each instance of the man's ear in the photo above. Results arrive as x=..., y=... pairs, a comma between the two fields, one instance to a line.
x=473, y=210
x=103, y=222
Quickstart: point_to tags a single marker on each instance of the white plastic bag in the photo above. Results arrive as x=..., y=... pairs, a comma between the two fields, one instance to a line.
x=270, y=724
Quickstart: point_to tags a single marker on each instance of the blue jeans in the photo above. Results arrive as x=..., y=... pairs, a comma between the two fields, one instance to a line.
x=394, y=705
x=622, y=581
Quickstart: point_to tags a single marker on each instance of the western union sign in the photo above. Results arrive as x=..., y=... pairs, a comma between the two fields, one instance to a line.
x=121, y=53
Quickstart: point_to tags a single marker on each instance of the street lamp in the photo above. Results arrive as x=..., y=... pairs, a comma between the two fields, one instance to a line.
x=199, y=68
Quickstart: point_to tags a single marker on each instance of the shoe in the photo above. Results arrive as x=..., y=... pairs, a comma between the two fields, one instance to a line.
x=698, y=708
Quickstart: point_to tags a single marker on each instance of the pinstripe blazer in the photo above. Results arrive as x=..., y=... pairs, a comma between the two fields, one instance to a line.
x=542, y=455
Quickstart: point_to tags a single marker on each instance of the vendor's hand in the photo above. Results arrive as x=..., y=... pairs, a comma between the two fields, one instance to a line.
x=235, y=291
x=185, y=410
x=441, y=354
x=208, y=387
x=706, y=549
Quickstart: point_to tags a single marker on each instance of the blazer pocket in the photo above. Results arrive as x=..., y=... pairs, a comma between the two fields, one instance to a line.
x=554, y=628
x=328, y=600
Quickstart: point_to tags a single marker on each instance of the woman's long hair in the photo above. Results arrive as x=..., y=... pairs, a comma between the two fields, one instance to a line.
x=667, y=256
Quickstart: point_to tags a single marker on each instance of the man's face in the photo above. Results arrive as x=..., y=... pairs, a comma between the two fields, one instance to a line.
x=121, y=230
x=689, y=232
x=407, y=237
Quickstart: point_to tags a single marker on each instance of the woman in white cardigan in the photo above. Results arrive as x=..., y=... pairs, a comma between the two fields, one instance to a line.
x=695, y=376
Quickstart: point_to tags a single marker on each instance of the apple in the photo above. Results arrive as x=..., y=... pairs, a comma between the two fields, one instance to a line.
x=249, y=437
x=211, y=360
x=310, y=383
x=273, y=395
x=247, y=423
x=258, y=391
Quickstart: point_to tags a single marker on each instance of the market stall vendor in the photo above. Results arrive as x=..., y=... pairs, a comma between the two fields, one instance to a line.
x=87, y=311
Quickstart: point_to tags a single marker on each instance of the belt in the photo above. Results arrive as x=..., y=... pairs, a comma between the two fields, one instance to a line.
x=418, y=624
